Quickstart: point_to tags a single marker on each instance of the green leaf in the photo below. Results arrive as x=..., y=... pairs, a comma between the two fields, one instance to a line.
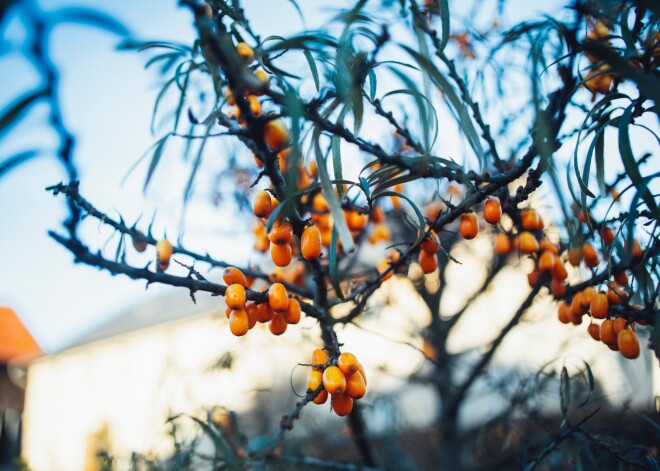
x=420, y=218
x=158, y=152
x=600, y=162
x=445, y=21
x=373, y=83
x=333, y=265
x=331, y=197
x=160, y=96
x=196, y=164
x=336, y=163
x=91, y=17
x=15, y=110
x=565, y=391
x=312, y=67
x=15, y=160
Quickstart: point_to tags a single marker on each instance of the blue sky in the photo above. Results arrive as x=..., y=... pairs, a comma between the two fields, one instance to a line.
x=107, y=103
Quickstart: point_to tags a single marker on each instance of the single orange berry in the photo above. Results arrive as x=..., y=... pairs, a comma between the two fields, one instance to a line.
x=310, y=243
x=164, y=251
x=531, y=220
x=590, y=255
x=557, y=288
x=559, y=271
x=547, y=261
x=265, y=313
x=599, y=306
x=577, y=308
x=621, y=278
x=616, y=295
x=545, y=244
x=281, y=233
x=278, y=297
x=253, y=314
x=342, y=405
x=245, y=52
x=276, y=134
x=619, y=325
x=261, y=204
x=533, y=278
x=277, y=324
x=334, y=380
x=469, y=225
x=238, y=322
x=564, y=313
x=319, y=357
x=594, y=331
x=528, y=243
x=235, y=296
x=321, y=397
x=293, y=312
x=575, y=256
x=588, y=295
x=233, y=275
x=347, y=363
x=314, y=380
x=628, y=344
x=281, y=254
x=492, y=211
x=502, y=244
x=427, y=262
x=607, y=334
x=430, y=244
x=383, y=266
x=355, y=385
x=356, y=221
x=607, y=234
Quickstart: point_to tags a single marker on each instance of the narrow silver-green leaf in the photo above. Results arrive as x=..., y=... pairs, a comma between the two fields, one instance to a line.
x=333, y=265
x=158, y=153
x=312, y=67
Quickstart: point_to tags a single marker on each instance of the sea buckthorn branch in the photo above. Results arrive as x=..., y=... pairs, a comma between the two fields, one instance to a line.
x=71, y=191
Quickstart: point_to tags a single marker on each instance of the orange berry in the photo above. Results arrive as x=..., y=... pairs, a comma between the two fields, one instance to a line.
x=355, y=386
x=547, y=261
x=621, y=278
x=356, y=221
x=564, y=313
x=557, y=288
x=334, y=380
x=545, y=244
x=321, y=398
x=235, y=296
x=607, y=334
x=233, y=275
x=310, y=243
x=347, y=363
x=245, y=52
x=383, y=266
x=319, y=357
x=361, y=370
x=492, y=211
x=590, y=255
x=607, y=234
x=588, y=295
x=628, y=344
x=264, y=313
x=377, y=214
x=319, y=203
x=575, y=256
x=261, y=204
x=253, y=314
x=277, y=324
x=531, y=220
x=636, y=250
x=229, y=96
x=314, y=380
x=139, y=244
x=164, y=251
x=263, y=78
x=276, y=134
x=238, y=322
x=594, y=331
x=559, y=271
x=430, y=244
x=469, y=225
x=427, y=262
x=293, y=312
x=528, y=243
x=577, y=308
x=342, y=405
x=281, y=233
x=502, y=244
x=533, y=278
x=599, y=306
x=616, y=295
x=619, y=325
x=281, y=254
x=278, y=297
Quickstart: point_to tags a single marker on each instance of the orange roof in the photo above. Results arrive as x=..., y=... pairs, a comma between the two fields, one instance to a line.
x=15, y=340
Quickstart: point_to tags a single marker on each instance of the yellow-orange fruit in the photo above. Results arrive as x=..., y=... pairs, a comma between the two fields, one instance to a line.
x=427, y=262
x=588, y=295
x=347, y=363
x=559, y=270
x=342, y=405
x=253, y=314
x=245, y=52
x=575, y=256
x=334, y=380
x=628, y=344
x=229, y=96
x=577, y=308
x=634, y=248
x=314, y=380
x=594, y=331
x=319, y=357
x=533, y=278
x=557, y=288
x=255, y=106
x=233, y=275
x=492, y=211
x=469, y=225
x=383, y=266
x=545, y=244
x=564, y=313
x=265, y=313
x=616, y=295
x=228, y=311
x=590, y=255
x=278, y=297
x=310, y=243
x=502, y=244
x=531, y=220
x=607, y=234
x=355, y=385
x=319, y=203
x=619, y=325
x=261, y=205
x=277, y=324
x=380, y=232
x=321, y=398
x=276, y=134
x=263, y=78
x=599, y=306
x=235, y=296
x=164, y=251
x=621, y=278
x=281, y=233
x=528, y=243
x=293, y=312
x=430, y=244
x=281, y=254
x=356, y=221
x=377, y=214
x=238, y=322
x=547, y=261
x=607, y=334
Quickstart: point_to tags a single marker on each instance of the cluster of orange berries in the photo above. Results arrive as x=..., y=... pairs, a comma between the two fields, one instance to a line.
x=617, y=333
x=279, y=311
x=344, y=382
